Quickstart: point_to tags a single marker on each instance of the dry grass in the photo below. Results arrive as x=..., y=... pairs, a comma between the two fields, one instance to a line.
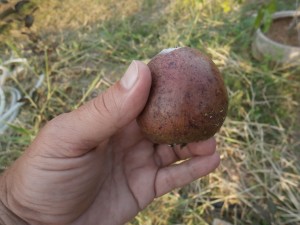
x=84, y=48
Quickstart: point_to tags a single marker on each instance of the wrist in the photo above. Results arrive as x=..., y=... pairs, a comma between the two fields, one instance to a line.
x=7, y=217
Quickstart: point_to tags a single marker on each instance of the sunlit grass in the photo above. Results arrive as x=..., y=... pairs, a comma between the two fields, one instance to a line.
x=84, y=48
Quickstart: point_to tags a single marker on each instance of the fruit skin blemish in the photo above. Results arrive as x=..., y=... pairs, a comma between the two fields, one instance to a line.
x=188, y=99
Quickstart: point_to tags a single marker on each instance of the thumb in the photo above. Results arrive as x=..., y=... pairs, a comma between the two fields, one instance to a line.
x=100, y=118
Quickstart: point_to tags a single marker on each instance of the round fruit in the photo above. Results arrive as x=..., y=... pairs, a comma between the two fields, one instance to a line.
x=188, y=99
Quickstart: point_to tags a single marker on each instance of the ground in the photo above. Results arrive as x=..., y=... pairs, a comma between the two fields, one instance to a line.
x=83, y=48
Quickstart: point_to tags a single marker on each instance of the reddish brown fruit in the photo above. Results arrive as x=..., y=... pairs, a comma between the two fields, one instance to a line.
x=188, y=99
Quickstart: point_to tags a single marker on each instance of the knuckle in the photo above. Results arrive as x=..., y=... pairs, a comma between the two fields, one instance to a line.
x=211, y=146
x=106, y=104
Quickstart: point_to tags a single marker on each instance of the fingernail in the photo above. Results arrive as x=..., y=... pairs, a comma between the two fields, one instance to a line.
x=131, y=75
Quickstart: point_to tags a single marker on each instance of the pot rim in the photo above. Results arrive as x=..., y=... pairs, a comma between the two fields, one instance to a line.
x=277, y=15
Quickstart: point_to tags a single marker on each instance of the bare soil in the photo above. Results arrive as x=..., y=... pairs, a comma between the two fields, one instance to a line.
x=280, y=32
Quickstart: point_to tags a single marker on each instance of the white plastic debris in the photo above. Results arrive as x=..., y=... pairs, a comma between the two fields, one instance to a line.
x=10, y=96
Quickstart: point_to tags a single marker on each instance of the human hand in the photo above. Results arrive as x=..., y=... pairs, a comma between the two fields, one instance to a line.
x=93, y=165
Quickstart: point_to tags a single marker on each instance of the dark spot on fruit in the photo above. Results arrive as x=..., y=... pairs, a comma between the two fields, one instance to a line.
x=203, y=90
x=172, y=65
x=192, y=124
x=218, y=93
x=188, y=95
x=210, y=80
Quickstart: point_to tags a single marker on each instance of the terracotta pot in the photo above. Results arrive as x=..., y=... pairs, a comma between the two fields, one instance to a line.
x=264, y=47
